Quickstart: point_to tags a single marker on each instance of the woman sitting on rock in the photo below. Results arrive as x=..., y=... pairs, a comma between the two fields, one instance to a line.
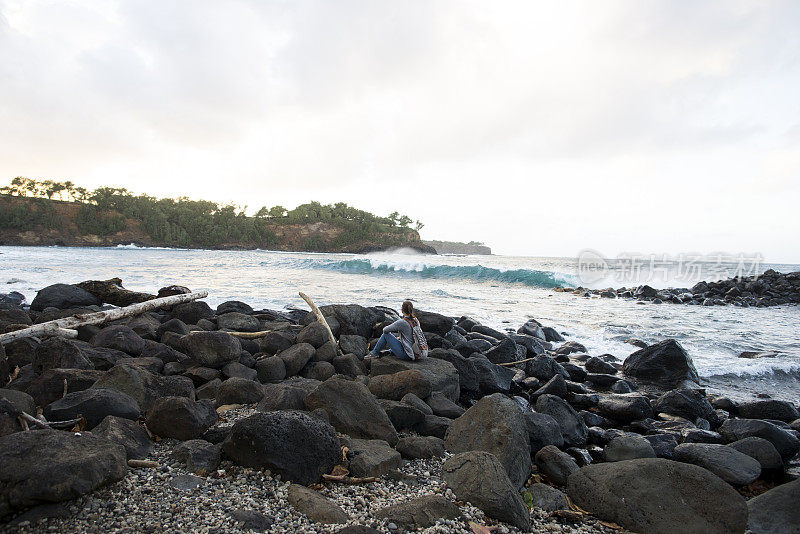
x=403, y=348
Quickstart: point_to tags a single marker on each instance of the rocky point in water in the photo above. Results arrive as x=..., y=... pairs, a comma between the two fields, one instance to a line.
x=490, y=421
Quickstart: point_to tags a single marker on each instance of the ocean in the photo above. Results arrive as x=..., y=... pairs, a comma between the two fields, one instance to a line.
x=499, y=291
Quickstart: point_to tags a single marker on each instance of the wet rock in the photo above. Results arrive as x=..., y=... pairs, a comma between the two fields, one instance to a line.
x=420, y=512
x=663, y=444
x=658, y=496
x=298, y=447
x=497, y=425
x=93, y=405
x=180, y=417
x=413, y=447
x=211, y=349
x=665, y=364
x=556, y=465
x=573, y=429
x=544, y=368
x=729, y=464
x=596, y=365
x=628, y=447
x=775, y=511
x=63, y=296
x=127, y=433
x=555, y=386
x=480, y=478
x=199, y=456
x=688, y=403
x=315, y=506
x=352, y=409
x=45, y=466
x=569, y=347
x=372, y=458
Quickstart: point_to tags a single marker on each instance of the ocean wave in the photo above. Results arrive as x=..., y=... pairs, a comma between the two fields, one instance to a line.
x=423, y=269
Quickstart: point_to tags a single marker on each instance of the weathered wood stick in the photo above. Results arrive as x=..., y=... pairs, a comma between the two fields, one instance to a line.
x=142, y=463
x=70, y=323
x=250, y=335
x=321, y=319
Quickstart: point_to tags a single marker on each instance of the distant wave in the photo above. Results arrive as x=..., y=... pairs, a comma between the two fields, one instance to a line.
x=134, y=246
x=479, y=273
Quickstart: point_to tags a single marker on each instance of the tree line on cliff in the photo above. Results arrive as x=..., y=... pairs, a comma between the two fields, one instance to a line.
x=184, y=222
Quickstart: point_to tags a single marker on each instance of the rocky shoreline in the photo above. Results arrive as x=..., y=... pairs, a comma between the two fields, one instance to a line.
x=233, y=419
x=769, y=289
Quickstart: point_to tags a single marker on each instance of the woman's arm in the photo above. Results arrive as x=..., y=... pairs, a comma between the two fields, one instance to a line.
x=394, y=327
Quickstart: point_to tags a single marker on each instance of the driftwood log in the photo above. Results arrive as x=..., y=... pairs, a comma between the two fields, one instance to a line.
x=57, y=326
x=112, y=292
x=321, y=319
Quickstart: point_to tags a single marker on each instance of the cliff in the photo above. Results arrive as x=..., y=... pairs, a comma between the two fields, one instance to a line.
x=42, y=222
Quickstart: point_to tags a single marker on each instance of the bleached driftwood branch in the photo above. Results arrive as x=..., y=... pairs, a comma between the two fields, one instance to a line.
x=71, y=323
x=321, y=319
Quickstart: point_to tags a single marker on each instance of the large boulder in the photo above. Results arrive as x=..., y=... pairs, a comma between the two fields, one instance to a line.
x=296, y=357
x=180, y=418
x=352, y=409
x=443, y=376
x=420, y=512
x=480, y=478
x=625, y=408
x=295, y=445
x=543, y=430
x=59, y=353
x=775, y=511
x=143, y=386
x=352, y=318
x=769, y=409
x=192, y=312
x=121, y=338
x=94, y=404
x=491, y=378
x=468, y=379
x=211, y=349
x=314, y=334
x=239, y=391
x=659, y=496
x=395, y=386
x=402, y=415
x=413, y=447
x=665, y=364
x=49, y=387
x=283, y=396
x=434, y=322
x=573, y=429
x=688, y=403
x=503, y=352
x=730, y=465
x=238, y=322
x=63, y=296
x=786, y=444
x=270, y=369
x=628, y=447
x=353, y=344
x=495, y=424
x=130, y=434
x=46, y=466
x=761, y=450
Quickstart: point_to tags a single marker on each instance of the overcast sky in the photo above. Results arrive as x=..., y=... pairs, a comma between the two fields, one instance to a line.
x=538, y=128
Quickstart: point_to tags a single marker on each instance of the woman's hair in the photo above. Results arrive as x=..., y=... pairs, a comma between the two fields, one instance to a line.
x=408, y=309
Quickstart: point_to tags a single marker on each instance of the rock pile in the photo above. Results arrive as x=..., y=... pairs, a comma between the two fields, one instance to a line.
x=631, y=441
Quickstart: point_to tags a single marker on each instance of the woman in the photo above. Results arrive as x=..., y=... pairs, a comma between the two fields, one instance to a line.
x=403, y=347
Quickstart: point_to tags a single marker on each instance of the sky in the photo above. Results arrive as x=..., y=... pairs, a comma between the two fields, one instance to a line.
x=539, y=128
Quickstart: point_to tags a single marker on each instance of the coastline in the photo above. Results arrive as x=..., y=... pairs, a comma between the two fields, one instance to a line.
x=529, y=383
